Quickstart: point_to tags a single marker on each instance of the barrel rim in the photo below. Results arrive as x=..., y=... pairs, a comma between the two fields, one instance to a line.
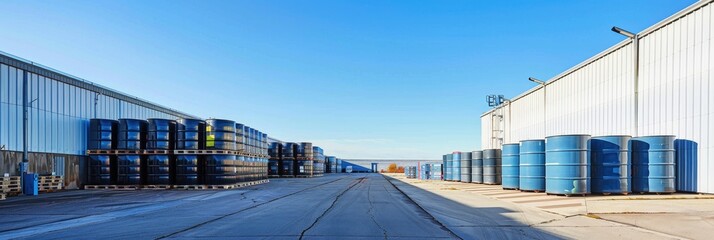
x=533, y=140
x=602, y=136
x=134, y=119
x=220, y=119
x=477, y=151
x=103, y=119
x=674, y=136
x=148, y=119
x=518, y=143
x=569, y=135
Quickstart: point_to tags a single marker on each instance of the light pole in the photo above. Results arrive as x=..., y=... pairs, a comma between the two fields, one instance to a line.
x=635, y=69
x=542, y=83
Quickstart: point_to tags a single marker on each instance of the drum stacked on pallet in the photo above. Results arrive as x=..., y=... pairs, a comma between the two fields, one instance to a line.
x=276, y=159
x=185, y=154
x=221, y=169
x=160, y=139
x=304, y=161
x=289, y=153
x=131, y=169
x=466, y=167
x=331, y=162
x=477, y=167
x=190, y=136
x=102, y=137
x=318, y=164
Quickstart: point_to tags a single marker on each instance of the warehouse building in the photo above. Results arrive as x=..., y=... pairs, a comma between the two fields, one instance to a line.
x=656, y=82
x=58, y=107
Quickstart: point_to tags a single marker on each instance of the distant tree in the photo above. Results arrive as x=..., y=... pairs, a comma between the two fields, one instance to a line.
x=400, y=169
x=392, y=168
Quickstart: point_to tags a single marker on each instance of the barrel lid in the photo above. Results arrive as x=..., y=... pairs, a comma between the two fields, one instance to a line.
x=533, y=140
x=511, y=144
x=566, y=135
x=602, y=136
x=655, y=136
x=133, y=119
x=102, y=119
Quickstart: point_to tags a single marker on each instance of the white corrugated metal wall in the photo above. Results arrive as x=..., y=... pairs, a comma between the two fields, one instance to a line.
x=675, y=85
x=597, y=96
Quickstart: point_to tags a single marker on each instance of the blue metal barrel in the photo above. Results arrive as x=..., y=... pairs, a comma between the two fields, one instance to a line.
x=287, y=169
x=158, y=170
x=466, y=167
x=443, y=163
x=510, y=165
x=220, y=169
x=190, y=134
x=456, y=166
x=492, y=166
x=160, y=133
x=101, y=134
x=275, y=152
x=686, y=163
x=653, y=167
x=220, y=134
x=567, y=164
x=129, y=169
x=187, y=170
x=101, y=171
x=610, y=164
x=131, y=134
x=532, y=165
x=477, y=167
x=448, y=167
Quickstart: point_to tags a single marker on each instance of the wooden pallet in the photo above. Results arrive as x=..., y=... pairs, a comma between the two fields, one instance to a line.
x=10, y=188
x=204, y=152
x=156, y=187
x=16, y=178
x=189, y=187
x=113, y=187
x=303, y=176
x=157, y=151
x=99, y=151
x=128, y=152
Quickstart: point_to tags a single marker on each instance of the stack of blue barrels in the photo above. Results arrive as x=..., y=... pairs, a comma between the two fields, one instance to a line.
x=449, y=167
x=102, y=137
x=220, y=169
x=276, y=157
x=287, y=169
x=160, y=136
x=190, y=136
x=131, y=137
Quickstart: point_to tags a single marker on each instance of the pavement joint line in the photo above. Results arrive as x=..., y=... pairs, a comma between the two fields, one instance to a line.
x=420, y=207
x=248, y=208
x=337, y=198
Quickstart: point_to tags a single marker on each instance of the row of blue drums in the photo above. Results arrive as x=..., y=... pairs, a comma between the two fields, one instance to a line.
x=579, y=164
x=575, y=165
x=477, y=166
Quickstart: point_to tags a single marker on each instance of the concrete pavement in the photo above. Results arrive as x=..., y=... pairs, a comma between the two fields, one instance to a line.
x=347, y=206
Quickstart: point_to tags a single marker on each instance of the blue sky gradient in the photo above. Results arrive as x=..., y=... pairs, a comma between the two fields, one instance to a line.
x=362, y=79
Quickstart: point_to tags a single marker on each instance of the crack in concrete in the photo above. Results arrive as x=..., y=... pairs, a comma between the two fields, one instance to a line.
x=245, y=209
x=337, y=198
x=371, y=213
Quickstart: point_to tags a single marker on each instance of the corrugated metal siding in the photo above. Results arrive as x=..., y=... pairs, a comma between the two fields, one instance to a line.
x=675, y=87
x=526, y=121
x=59, y=113
x=486, y=133
x=597, y=96
x=596, y=99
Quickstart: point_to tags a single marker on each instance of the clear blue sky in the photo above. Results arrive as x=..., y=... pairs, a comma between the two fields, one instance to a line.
x=362, y=79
